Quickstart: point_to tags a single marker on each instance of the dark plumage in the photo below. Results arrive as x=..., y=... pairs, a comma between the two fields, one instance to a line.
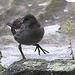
x=27, y=31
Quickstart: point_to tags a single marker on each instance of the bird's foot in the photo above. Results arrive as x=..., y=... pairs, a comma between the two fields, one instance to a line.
x=40, y=48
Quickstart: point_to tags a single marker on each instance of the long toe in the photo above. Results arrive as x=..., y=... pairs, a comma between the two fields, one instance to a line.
x=43, y=50
x=38, y=47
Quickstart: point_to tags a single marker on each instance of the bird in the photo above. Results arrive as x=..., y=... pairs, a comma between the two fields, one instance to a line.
x=27, y=31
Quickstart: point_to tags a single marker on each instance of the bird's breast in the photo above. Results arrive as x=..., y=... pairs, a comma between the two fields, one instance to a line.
x=29, y=36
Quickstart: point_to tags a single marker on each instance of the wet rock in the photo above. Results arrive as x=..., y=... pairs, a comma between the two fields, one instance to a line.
x=1, y=73
x=5, y=5
x=50, y=10
x=41, y=67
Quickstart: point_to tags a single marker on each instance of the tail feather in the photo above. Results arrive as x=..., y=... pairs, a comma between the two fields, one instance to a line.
x=9, y=25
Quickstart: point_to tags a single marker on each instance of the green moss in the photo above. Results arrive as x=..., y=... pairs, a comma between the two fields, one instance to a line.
x=32, y=63
x=61, y=65
x=1, y=68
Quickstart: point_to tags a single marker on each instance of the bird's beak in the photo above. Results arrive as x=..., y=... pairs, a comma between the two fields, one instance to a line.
x=22, y=20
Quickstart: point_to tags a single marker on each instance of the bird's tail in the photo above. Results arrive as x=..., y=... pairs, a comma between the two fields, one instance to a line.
x=9, y=25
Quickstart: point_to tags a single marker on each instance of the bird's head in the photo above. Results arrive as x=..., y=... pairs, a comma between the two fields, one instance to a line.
x=30, y=20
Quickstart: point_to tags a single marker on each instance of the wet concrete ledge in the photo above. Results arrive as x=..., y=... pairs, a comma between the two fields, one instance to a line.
x=41, y=67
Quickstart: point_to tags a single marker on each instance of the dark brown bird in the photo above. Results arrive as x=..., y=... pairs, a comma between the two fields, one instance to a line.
x=27, y=31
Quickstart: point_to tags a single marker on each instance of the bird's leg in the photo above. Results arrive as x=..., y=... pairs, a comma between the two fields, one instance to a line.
x=40, y=48
x=20, y=48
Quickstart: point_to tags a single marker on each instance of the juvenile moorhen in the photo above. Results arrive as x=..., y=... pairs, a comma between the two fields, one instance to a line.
x=27, y=31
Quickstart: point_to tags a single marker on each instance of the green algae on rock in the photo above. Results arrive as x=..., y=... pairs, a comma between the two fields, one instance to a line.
x=41, y=67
